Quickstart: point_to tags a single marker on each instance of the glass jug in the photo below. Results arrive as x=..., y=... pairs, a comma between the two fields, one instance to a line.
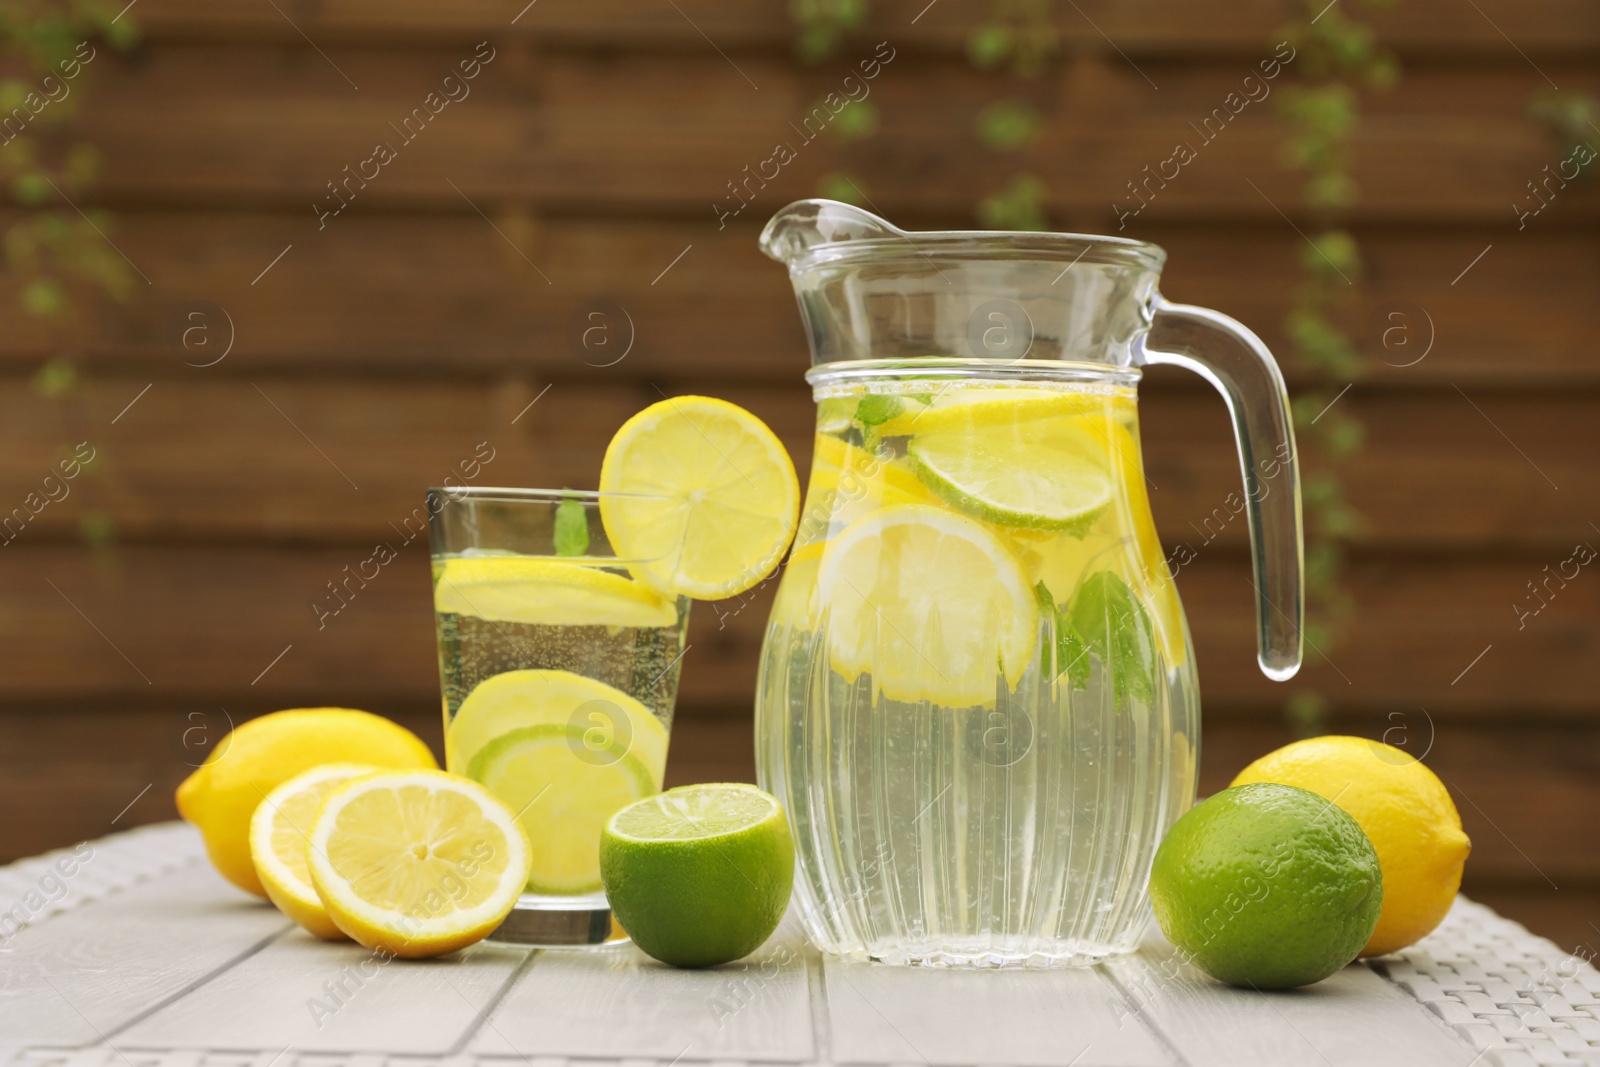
x=977, y=698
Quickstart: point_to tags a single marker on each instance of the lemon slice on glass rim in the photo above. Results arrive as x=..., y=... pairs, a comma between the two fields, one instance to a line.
x=699, y=497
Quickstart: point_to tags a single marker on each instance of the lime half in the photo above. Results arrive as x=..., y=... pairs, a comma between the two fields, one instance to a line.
x=548, y=592
x=562, y=787
x=701, y=874
x=1008, y=477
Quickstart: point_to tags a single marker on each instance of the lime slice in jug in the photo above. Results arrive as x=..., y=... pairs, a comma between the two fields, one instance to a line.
x=562, y=789
x=946, y=408
x=1007, y=476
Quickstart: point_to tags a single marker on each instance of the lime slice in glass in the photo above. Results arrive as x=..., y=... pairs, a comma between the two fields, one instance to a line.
x=562, y=786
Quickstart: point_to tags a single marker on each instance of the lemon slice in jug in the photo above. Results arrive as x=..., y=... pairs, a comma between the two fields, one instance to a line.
x=934, y=605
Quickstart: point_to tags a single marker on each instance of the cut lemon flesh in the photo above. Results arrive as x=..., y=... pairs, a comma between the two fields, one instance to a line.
x=718, y=498
x=280, y=832
x=418, y=863
x=549, y=592
x=932, y=604
x=516, y=700
x=1009, y=476
x=563, y=786
x=792, y=605
x=848, y=483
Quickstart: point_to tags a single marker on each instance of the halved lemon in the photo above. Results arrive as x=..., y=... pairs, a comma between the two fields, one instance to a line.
x=718, y=497
x=417, y=863
x=934, y=605
x=549, y=592
x=563, y=782
x=516, y=700
x=280, y=833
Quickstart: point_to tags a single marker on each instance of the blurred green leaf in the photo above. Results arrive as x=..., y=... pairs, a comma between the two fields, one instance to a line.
x=44, y=298
x=56, y=378
x=1332, y=250
x=823, y=25
x=988, y=46
x=1019, y=205
x=1008, y=125
x=31, y=189
x=841, y=186
x=97, y=528
x=1307, y=712
x=1331, y=190
x=857, y=121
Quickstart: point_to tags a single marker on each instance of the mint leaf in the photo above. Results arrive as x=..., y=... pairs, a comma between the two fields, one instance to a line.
x=1047, y=603
x=572, y=528
x=1107, y=620
x=875, y=410
x=1103, y=620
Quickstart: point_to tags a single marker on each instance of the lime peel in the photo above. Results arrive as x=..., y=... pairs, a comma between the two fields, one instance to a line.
x=701, y=874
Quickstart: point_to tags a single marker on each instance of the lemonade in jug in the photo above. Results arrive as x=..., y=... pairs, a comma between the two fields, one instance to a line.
x=978, y=700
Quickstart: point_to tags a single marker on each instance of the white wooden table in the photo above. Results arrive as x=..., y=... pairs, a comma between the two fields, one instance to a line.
x=146, y=958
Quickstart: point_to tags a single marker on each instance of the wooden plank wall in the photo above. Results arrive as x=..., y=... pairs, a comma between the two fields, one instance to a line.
x=369, y=354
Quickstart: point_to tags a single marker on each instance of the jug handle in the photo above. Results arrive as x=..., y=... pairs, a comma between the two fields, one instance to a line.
x=1232, y=358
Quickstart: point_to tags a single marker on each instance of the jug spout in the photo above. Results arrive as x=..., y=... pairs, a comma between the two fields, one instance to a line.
x=804, y=224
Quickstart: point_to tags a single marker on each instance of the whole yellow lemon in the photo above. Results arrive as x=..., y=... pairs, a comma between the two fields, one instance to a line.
x=1406, y=813
x=221, y=795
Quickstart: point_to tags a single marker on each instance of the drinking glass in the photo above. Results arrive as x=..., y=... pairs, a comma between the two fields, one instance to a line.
x=559, y=673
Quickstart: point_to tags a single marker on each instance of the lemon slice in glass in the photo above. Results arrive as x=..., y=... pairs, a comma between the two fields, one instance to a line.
x=719, y=498
x=417, y=863
x=547, y=592
x=934, y=605
x=280, y=831
x=515, y=700
x=563, y=783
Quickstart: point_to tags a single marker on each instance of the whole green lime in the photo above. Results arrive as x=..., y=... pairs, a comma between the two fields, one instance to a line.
x=701, y=874
x=1269, y=886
